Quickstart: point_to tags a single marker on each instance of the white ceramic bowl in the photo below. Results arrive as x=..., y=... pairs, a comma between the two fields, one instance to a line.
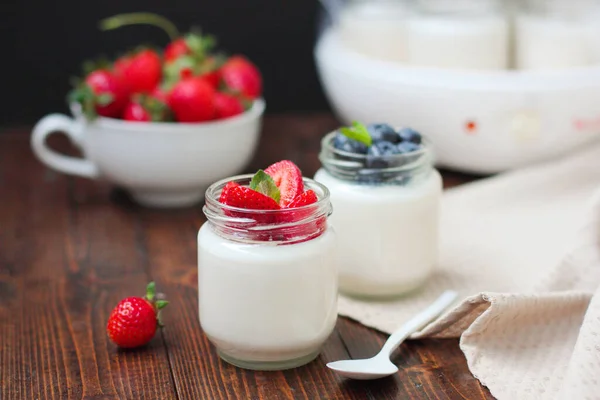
x=481, y=122
x=160, y=164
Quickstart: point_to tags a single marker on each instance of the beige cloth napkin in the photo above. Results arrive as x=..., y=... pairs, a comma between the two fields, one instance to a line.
x=523, y=251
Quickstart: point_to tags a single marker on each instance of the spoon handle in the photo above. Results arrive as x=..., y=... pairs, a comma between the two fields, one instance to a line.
x=419, y=321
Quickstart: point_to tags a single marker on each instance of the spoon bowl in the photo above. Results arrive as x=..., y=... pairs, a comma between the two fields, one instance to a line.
x=365, y=369
x=380, y=366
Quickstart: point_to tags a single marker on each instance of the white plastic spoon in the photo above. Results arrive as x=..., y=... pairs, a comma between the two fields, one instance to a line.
x=380, y=366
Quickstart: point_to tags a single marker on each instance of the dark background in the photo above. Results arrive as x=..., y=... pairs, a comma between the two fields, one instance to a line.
x=45, y=42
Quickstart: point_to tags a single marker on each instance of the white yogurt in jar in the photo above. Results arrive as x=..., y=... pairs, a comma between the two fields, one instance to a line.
x=386, y=217
x=387, y=235
x=264, y=305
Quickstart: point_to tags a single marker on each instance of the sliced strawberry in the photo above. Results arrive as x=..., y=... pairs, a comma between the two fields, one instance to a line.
x=225, y=191
x=288, y=178
x=304, y=199
x=238, y=196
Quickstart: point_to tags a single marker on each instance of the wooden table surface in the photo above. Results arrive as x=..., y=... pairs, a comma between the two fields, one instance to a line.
x=70, y=249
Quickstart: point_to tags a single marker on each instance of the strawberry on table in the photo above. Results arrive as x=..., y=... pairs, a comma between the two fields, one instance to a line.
x=134, y=320
x=192, y=100
x=288, y=178
x=141, y=71
x=240, y=75
x=101, y=93
x=227, y=106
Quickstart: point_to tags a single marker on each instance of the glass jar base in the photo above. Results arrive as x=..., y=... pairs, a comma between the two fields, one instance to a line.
x=270, y=365
x=372, y=293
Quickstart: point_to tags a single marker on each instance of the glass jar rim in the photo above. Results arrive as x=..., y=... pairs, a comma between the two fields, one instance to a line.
x=214, y=201
x=358, y=160
x=281, y=226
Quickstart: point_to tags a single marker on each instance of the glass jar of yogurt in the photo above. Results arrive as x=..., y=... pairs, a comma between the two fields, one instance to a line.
x=386, y=216
x=267, y=280
x=557, y=34
x=375, y=28
x=458, y=34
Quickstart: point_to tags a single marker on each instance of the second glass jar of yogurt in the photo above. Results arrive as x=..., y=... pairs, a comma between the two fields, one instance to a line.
x=267, y=280
x=386, y=216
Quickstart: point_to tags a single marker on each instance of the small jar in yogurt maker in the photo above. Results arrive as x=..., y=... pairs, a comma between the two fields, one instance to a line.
x=458, y=34
x=267, y=283
x=386, y=217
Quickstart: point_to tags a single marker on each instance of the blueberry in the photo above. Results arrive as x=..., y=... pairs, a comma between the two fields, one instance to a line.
x=410, y=135
x=407, y=147
x=383, y=132
x=377, y=153
x=382, y=148
x=342, y=142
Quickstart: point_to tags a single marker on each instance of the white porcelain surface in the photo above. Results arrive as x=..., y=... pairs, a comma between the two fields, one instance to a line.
x=387, y=234
x=161, y=164
x=521, y=117
x=267, y=306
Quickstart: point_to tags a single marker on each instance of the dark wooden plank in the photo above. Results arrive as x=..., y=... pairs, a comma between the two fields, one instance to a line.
x=428, y=369
x=66, y=257
x=69, y=249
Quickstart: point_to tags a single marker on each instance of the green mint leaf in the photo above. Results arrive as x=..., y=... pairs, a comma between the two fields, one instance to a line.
x=263, y=183
x=358, y=132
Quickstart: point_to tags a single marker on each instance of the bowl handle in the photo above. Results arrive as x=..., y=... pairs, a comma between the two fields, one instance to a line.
x=68, y=165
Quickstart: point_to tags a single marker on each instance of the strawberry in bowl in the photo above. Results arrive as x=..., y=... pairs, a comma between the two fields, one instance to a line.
x=162, y=124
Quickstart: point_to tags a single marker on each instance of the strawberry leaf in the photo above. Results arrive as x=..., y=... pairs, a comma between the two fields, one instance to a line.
x=84, y=95
x=150, y=291
x=160, y=304
x=263, y=183
x=358, y=132
x=104, y=99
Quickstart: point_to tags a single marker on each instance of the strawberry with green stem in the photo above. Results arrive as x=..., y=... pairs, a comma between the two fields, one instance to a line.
x=141, y=71
x=146, y=108
x=242, y=76
x=189, y=52
x=101, y=93
x=227, y=106
x=192, y=100
x=133, y=322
